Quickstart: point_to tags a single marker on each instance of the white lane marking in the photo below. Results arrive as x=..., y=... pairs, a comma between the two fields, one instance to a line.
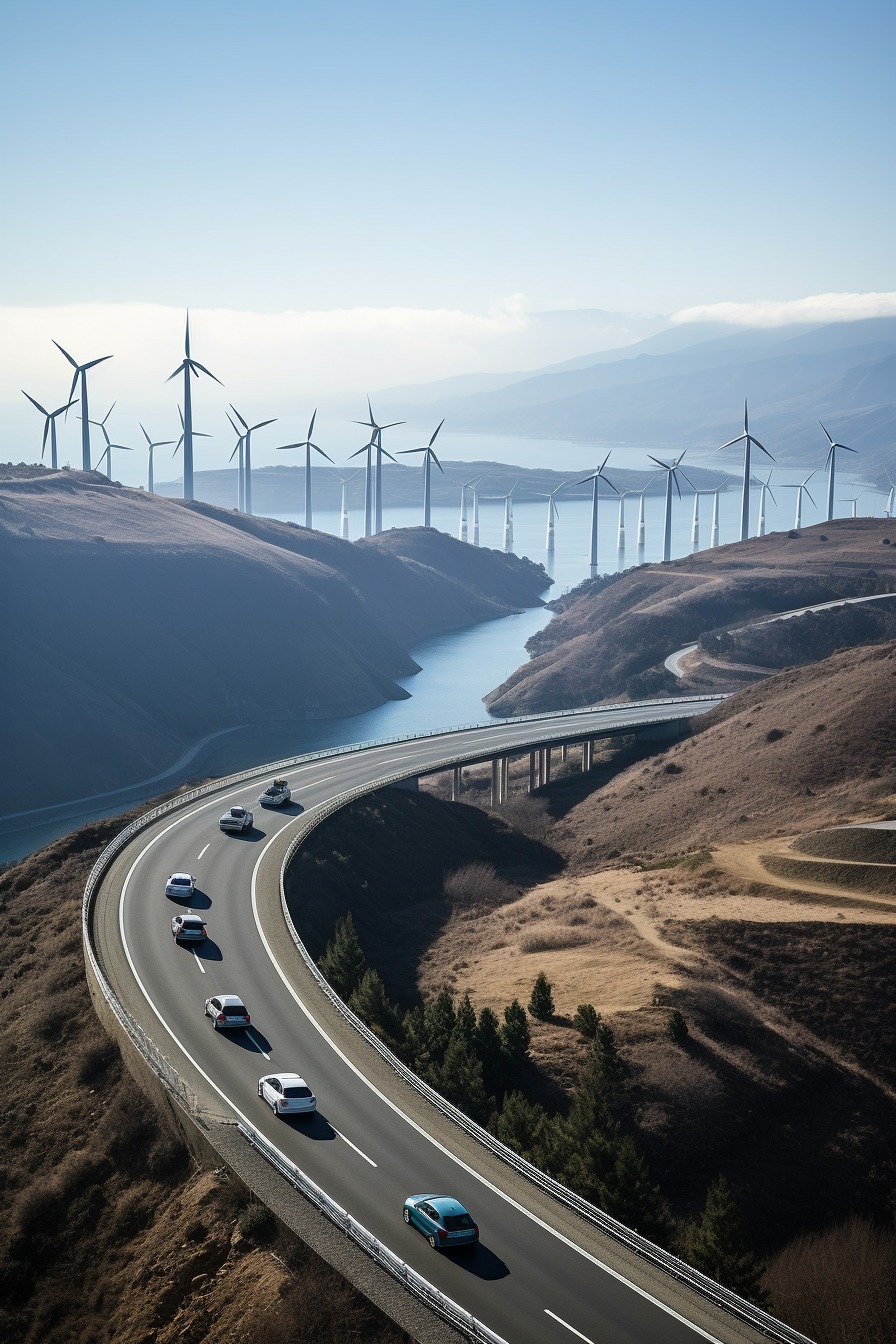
x=253, y=1038
x=352, y=1145
x=198, y=960
x=570, y=1328
x=452, y=1157
x=200, y=854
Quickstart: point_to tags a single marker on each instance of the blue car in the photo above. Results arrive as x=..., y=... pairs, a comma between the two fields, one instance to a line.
x=443, y=1221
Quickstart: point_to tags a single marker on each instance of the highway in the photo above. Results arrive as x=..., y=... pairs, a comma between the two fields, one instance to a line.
x=527, y=1281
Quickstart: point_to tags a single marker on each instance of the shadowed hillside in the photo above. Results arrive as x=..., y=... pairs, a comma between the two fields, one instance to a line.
x=135, y=625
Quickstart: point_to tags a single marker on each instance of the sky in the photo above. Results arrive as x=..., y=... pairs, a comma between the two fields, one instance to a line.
x=370, y=194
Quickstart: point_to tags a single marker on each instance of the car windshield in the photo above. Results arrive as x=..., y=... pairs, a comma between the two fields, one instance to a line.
x=297, y=1091
x=454, y=1222
x=234, y=1010
x=238, y=811
x=180, y=881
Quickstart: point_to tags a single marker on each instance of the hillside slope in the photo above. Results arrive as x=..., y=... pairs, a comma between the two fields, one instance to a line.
x=607, y=632
x=135, y=625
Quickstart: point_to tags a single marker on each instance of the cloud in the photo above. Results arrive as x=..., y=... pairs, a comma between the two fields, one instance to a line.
x=770, y=313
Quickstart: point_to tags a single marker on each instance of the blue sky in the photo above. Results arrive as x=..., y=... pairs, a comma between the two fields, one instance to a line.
x=639, y=156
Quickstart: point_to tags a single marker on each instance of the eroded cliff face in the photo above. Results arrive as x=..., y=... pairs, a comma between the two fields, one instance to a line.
x=135, y=625
x=607, y=633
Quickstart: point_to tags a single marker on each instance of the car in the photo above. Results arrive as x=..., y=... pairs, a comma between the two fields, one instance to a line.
x=180, y=884
x=226, y=1011
x=188, y=928
x=237, y=819
x=287, y=1094
x=276, y=794
x=442, y=1219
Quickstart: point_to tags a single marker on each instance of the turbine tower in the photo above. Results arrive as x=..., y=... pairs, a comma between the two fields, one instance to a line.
x=368, y=481
x=428, y=458
x=476, y=510
x=553, y=516
x=81, y=375
x=641, y=528
x=376, y=441
x=248, y=431
x=764, y=489
x=240, y=480
x=307, y=445
x=159, y=443
x=594, y=479
x=714, y=526
x=672, y=470
x=508, y=518
x=462, y=529
x=747, y=439
x=620, y=527
x=888, y=508
x=695, y=523
x=49, y=428
x=343, y=506
x=183, y=435
x=188, y=367
x=852, y=500
x=800, y=491
x=830, y=467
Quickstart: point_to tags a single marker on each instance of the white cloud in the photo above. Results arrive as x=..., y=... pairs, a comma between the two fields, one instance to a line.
x=770, y=313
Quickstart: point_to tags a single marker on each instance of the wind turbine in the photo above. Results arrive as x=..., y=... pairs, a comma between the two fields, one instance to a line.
x=641, y=528
x=852, y=501
x=49, y=427
x=695, y=523
x=476, y=509
x=368, y=481
x=428, y=458
x=240, y=478
x=800, y=491
x=620, y=528
x=107, y=451
x=672, y=470
x=188, y=367
x=343, y=508
x=594, y=479
x=764, y=489
x=714, y=532
x=159, y=443
x=888, y=508
x=553, y=515
x=462, y=529
x=747, y=439
x=376, y=441
x=81, y=373
x=248, y=431
x=183, y=435
x=830, y=467
x=508, y=518
x=307, y=445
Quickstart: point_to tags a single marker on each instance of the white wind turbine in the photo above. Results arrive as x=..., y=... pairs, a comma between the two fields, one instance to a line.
x=343, y=503
x=672, y=470
x=376, y=442
x=888, y=508
x=747, y=440
x=852, y=501
x=830, y=468
x=194, y=433
x=764, y=489
x=462, y=529
x=81, y=374
x=241, y=485
x=49, y=427
x=595, y=478
x=800, y=491
x=620, y=527
x=553, y=516
x=428, y=458
x=248, y=431
x=189, y=367
x=159, y=443
x=107, y=451
x=307, y=445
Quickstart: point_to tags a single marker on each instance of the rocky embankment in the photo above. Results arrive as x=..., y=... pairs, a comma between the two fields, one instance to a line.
x=610, y=636
x=135, y=625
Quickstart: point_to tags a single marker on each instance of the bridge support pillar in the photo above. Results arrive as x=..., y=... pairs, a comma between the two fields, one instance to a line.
x=456, y=783
x=546, y=765
x=499, y=781
x=533, y=771
x=564, y=752
x=587, y=755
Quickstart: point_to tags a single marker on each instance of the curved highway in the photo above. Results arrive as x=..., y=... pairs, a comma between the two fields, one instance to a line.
x=528, y=1281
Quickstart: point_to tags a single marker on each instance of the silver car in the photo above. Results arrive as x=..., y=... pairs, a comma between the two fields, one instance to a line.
x=226, y=1011
x=237, y=819
x=287, y=1094
x=276, y=794
x=188, y=928
x=180, y=884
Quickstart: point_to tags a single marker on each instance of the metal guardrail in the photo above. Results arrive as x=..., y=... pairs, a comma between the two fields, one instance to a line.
x=422, y=1289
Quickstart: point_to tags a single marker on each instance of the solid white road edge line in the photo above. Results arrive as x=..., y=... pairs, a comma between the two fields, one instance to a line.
x=571, y=1328
x=202, y=851
x=352, y=1145
x=451, y=1156
x=198, y=960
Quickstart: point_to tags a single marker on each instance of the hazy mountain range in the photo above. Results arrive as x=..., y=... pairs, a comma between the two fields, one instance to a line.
x=685, y=386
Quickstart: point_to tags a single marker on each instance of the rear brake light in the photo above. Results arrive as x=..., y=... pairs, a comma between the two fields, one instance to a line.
x=283, y=1102
x=476, y=1228
x=443, y=1236
x=221, y=1017
x=248, y=1019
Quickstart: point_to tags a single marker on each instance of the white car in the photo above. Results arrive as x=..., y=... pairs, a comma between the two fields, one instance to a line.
x=276, y=794
x=237, y=819
x=180, y=884
x=188, y=928
x=287, y=1094
x=226, y=1011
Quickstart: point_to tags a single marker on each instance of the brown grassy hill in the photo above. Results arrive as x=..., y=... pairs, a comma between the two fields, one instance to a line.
x=809, y=747
x=606, y=633
x=108, y=1231
x=135, y=625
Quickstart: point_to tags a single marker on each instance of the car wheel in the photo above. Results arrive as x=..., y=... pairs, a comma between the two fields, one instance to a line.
x=407, y=1215
x=274, y=1107
x=432, y=1241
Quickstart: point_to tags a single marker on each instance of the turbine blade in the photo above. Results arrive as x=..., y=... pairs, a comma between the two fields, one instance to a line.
x=810, y=497
x=311, y=426
x=238, y=416
x=282, y=447
x=261, y=424
x=36, y=403
x=729, y=444
x=321, y=451
x=93, y=362
x=433, y=439
x=147, y=438
x=67, y=407
x=827, y=435
x=437, y=462
x=392, y=426
x=67, y=355
x=180, y=368
x=759, y=445
x=194, y=365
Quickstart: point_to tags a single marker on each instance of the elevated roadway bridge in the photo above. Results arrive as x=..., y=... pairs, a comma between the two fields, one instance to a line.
x=549, y=1267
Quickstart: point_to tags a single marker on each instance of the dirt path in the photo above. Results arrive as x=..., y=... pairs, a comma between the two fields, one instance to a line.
x=744, y=862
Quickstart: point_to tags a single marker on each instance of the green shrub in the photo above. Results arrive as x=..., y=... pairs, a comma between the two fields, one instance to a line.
x=541, y=1002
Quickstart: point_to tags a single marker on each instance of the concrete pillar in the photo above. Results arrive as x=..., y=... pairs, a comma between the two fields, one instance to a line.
x=503, y=774
x=533, y=772
x=496, y=783
x=587, y=756
x=564, y=752
x=456, y=784
x=546, y=765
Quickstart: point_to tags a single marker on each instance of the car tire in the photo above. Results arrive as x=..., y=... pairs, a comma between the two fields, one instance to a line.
x=274, y=1108
x=407, y=1215
x=432, y=1241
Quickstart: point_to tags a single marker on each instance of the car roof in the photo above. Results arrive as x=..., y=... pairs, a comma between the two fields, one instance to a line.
x=446, y=1204
x=188, y=876
x=289, y=1079
x=229, y=998
x=190, y=914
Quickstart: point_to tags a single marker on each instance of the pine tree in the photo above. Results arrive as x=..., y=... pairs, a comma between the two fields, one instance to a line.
x=515, y=1036
x=521, y=1125
x=369, y=1001
x=609, y=1061
x=460, y=1080
x=676, y=1027
x=343, y=962
x=716, y=1245
x=541, y=1004
x=631, y=1196
x=586, y=1020
x=487, y=1044
x=438, y=1024
x=465, y=1020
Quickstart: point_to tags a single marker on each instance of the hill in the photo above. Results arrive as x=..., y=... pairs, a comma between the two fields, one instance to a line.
x=610, y=636
x=135, y=625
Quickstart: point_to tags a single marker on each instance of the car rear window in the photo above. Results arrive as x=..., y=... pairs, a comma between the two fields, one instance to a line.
x=192, y=924
x=180, y=881
x=234, y=1010
x=455, y=1222
x=297, y=1091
